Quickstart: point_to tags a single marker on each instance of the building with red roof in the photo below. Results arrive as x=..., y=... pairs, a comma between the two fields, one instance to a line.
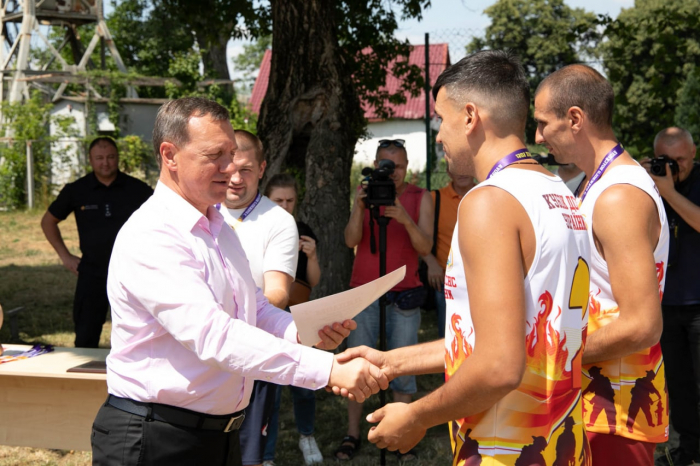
x=407, y=121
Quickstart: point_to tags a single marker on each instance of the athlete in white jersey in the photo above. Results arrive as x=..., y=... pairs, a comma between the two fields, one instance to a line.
x=624, y=398
x=512, y=390
x=544, y=424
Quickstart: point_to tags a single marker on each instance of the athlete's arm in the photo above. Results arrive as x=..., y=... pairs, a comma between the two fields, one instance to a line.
x=424, y=358
x=626, y=230
x=276, y=286
x=495, y=265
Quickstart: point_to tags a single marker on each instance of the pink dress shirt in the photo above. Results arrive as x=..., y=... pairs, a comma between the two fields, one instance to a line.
x=189, y=326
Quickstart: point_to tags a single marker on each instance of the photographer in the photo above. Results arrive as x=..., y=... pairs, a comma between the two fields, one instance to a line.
x=677, y=178
x=409, y=235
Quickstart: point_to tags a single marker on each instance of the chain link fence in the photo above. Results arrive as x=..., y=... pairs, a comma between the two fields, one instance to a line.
x=447, y=46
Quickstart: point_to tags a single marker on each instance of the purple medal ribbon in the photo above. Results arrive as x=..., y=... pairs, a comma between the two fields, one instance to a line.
x=36, y=350
x=609, y=158
x=509, y=159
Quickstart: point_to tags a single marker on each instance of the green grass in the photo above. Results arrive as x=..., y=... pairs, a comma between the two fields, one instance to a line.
x=32, y=276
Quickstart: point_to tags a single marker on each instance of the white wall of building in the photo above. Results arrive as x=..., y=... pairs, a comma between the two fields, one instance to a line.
x=135, y=119
x=413, y=131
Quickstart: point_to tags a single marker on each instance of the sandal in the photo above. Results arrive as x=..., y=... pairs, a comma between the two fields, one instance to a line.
x=348, y=447
x=410, y=455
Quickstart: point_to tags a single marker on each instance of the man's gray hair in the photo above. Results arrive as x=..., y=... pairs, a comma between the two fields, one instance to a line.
x=673, y=136
x=174, y=116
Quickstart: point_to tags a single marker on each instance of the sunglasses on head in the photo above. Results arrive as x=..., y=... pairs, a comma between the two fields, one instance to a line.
x=384, y=143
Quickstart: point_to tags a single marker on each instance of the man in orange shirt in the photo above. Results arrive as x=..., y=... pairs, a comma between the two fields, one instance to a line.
x=446, y=201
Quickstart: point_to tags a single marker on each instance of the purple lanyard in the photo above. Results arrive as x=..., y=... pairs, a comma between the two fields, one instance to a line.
x=509, y=159
x=250, y=208
x=609, y=158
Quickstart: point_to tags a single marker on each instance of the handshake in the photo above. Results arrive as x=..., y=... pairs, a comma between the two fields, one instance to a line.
x=359, y=373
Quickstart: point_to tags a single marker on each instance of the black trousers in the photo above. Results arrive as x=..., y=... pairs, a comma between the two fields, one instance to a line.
x=90, y=307
x=120, y=438
x=680, y=343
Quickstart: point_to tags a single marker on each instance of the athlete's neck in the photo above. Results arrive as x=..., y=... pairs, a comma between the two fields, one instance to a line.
x=492, y=151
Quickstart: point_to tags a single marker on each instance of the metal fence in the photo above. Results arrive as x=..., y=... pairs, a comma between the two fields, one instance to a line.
x=457, y=41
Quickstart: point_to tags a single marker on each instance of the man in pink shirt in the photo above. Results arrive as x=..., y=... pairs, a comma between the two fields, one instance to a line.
x=190, y=330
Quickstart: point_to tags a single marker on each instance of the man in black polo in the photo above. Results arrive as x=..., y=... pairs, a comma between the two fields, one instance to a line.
x=680, y=341
x=102, y=201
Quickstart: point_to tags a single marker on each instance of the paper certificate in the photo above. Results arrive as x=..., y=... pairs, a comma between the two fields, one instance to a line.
x=313, y=316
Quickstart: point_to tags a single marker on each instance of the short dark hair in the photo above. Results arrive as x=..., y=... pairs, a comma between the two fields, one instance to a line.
x=174, y=116
x=248, y=141
x=496, y=79
x=580, y=86
x=281, y=180
x=102, y=139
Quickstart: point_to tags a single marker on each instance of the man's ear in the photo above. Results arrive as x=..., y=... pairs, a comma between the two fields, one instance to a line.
x=168, y=156
x=471, y=117
x=263, y=165
x=576, y=117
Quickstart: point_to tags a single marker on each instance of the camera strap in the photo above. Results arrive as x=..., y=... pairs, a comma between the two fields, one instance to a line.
x=607, y=160
x=509, y=159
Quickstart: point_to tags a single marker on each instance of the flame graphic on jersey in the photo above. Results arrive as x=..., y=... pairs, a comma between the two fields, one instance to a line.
x=546, y=352
x=460, y=348
x=660, y=277
x=597, y=316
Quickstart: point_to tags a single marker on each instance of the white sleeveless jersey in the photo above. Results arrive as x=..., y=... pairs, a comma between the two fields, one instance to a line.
x=616, y=391
x=540, y=422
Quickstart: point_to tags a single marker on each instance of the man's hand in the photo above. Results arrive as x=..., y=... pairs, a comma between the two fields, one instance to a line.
x=357, y=379
x=71, y=262
x=665, y=184
x=359, y=202
x=436, y=275
x=398, y=429
x=333, y=335
x=398, y=213
x=307, y=245
x=378, y=358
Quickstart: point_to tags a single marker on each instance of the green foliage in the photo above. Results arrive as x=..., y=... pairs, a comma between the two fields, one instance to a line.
x=649, y=54
x=546, y=34
x=688, y=108
x=136, y=158
x=248, y=62
x=29, y=121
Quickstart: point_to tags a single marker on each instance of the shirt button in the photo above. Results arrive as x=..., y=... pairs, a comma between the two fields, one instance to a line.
x=313, y=384
x=269, y=378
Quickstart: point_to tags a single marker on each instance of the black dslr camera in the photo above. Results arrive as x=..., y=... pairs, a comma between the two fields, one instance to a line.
x=545, y=159
x=378, y=185
x=658, y=165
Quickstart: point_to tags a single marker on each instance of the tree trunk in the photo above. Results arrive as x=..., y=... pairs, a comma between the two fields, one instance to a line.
x=311, y=119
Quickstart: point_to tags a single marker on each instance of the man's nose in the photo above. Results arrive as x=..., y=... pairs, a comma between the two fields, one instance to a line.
x=539, y=139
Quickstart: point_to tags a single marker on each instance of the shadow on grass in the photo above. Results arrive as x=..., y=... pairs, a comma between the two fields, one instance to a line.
x=46, y=293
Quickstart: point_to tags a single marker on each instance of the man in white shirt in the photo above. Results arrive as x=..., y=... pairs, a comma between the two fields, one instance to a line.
x=190, y=330
x=269, y=236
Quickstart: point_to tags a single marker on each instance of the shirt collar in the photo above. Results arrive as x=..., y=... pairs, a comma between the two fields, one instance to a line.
x=451, y=190
x=184, y=214
x=95, y=183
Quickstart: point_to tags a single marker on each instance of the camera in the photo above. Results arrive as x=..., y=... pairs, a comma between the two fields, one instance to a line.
x=658, y=165
x=545, y=159
x=378, y=185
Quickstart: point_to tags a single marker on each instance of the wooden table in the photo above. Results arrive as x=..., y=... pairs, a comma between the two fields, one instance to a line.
x=43, y=406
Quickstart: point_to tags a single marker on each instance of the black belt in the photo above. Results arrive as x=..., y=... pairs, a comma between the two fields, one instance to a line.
x=178, y=416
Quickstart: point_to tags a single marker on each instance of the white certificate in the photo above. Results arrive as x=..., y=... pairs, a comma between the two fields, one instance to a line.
x=312, y=316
